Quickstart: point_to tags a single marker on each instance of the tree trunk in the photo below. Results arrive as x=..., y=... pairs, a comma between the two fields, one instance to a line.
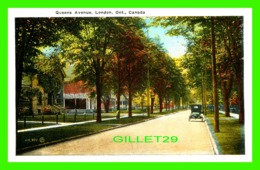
x=130, y=104
x=226, y=90
x=19, y=58
x=98, y=91
x=225, y=98
x=19, y=71
x=129, y=92
x=214, y=77
x=142, y=104
x=119, y=83
x=152, y=105
x=238, y=54
x=160, y=103
x=203, y=89
x=241, y=101
x=20, y=54
x=118, y=101
x=106, y=104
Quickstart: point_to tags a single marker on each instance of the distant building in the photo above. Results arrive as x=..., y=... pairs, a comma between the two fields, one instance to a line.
x=35, y=99
x=77, y=98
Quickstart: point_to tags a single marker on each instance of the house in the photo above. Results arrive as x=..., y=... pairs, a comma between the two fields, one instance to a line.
x=35, y=99
x=77, y=98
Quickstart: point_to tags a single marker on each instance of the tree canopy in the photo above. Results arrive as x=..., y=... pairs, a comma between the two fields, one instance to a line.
x=116, y=56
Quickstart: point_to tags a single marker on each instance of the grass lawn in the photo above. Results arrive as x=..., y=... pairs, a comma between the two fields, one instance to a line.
x=231, y=137
x=40, y=137
x=78, y=118
x=31, y=139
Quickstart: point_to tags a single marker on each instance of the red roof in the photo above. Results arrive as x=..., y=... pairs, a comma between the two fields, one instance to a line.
x=75, y=87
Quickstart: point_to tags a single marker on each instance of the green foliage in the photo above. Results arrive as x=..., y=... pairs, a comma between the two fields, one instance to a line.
x=166, y=78
x=92, y=52
x=32, y=34
x=49, y=73
x=197, y=61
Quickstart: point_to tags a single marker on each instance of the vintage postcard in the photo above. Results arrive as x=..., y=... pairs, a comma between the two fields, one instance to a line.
x=130, y=85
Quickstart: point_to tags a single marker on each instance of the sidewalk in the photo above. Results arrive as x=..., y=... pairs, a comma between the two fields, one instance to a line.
x=235, y=115
x=62, y=124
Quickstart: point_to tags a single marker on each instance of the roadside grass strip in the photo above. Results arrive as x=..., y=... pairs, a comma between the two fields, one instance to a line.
x=32, y=139
x=231, y=137
x=36, y=135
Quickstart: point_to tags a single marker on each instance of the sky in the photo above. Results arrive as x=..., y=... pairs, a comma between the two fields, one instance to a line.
x=175, y=45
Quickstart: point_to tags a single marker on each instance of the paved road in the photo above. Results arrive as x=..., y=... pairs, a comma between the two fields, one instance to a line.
x=193, y=138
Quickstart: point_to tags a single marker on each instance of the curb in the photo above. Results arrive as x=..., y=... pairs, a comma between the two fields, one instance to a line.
x=213, y=138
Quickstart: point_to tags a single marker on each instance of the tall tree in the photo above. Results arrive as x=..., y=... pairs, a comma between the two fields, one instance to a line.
x=30, y=35
x=50, y=75
x=232, y=31
x=90, y=51
x=229, y=38
x=93, y=50
x=214, y=77
x=226, y=76
x=130, y=70
x=129, y=51
x=165, y=78
x=134, y=66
